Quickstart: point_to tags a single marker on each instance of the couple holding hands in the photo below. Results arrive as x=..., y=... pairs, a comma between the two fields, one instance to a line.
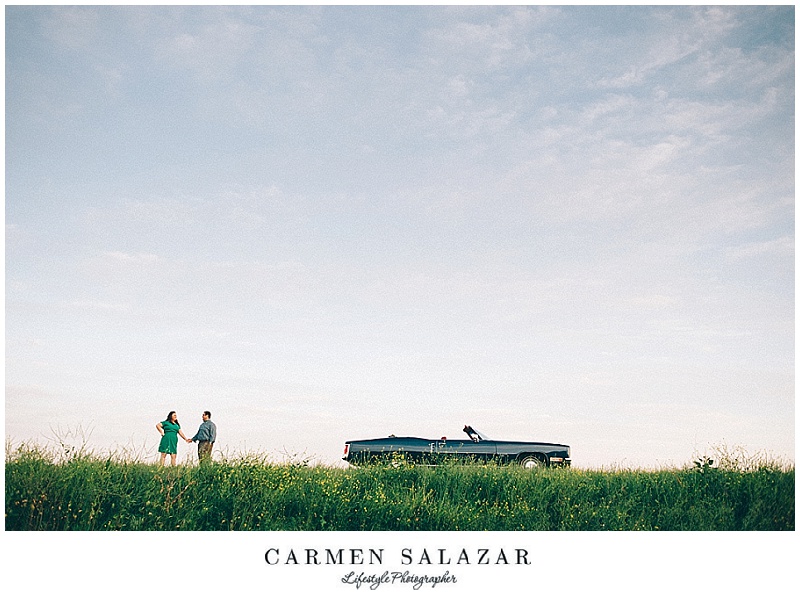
x=170, y=429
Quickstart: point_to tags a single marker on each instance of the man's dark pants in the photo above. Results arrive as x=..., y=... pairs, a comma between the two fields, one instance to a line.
x=204, y=451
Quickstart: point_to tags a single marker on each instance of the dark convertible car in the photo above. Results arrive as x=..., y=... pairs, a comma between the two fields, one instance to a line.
x=477, y=447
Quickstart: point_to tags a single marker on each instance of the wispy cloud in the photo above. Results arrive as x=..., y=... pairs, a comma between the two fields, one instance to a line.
x=132, y=259
x=782, y=247
x=72, y=27
x=92, y=305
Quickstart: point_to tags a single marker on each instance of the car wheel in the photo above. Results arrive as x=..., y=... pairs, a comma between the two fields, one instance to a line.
x=531, y=461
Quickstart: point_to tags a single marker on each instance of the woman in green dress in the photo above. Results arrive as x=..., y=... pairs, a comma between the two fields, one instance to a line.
x=169, y=430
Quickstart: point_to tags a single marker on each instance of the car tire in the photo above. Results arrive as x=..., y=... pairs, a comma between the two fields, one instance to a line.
x=529, y=462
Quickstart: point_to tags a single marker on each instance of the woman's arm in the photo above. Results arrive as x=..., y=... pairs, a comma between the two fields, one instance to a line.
x=160, y=429
x=180, y=432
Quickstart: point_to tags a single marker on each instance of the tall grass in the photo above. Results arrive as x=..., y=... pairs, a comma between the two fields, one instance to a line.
x=47, y=491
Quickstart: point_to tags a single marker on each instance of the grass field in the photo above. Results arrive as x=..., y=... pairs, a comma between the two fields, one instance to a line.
x=48, y=491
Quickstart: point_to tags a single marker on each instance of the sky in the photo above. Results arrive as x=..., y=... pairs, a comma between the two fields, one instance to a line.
x=562, y=224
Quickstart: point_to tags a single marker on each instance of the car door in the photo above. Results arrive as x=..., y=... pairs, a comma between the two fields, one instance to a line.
x=465, y=449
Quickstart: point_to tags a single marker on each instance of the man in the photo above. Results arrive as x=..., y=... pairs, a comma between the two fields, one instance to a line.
x=205, y=437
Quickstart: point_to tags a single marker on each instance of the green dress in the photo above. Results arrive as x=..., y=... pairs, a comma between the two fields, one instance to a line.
x=169, y=442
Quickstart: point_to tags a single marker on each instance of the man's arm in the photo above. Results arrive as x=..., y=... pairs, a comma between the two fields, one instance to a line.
x=203, y=432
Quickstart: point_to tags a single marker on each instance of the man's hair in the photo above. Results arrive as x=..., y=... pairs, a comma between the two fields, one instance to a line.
x=207, y=413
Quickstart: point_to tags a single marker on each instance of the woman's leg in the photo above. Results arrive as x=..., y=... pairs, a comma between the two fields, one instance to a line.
x=173, y=457
x=163, y=458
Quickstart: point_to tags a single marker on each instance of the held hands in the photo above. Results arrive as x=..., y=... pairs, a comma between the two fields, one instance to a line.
x=188, y=440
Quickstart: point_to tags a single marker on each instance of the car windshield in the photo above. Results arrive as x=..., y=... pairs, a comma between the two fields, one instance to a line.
x=482, y=436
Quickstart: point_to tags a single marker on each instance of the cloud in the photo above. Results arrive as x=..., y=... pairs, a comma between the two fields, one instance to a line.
x=132, y=259
x=782, y=247
x=684, y=39
x=93, y=305
x=652, y=301
x=72, y=27
x=211, y=49
x=489, y=41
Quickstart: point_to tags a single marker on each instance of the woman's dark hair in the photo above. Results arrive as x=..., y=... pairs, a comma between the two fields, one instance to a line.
x=169, y=417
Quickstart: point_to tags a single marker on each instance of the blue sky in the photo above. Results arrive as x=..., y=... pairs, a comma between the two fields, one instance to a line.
x=566, y=224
